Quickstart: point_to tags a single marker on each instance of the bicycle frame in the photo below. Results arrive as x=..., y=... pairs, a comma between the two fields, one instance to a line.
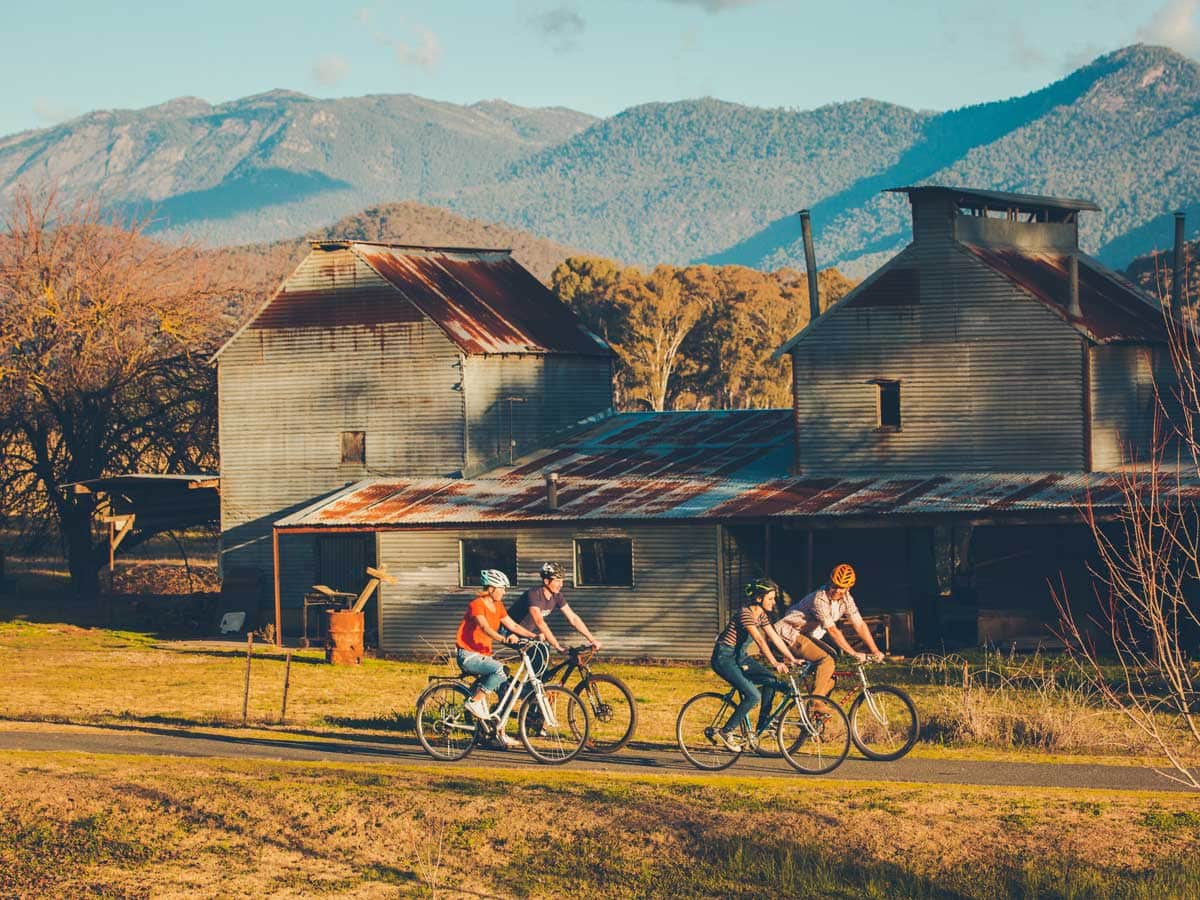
x=569, y=666
x=504, y=709
x=791, y=692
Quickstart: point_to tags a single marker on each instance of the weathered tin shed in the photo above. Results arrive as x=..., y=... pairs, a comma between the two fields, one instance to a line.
x=991, y=343
x=660, y=517
x=387, y=360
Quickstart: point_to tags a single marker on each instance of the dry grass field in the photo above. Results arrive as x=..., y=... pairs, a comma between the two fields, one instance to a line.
x=73, y=825
x=131, y=827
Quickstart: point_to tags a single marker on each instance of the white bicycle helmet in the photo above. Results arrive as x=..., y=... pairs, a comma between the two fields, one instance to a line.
x=494, y=578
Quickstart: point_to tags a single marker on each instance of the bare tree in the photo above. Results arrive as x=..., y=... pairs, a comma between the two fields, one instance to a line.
x=1140, y=646
x=103, y=336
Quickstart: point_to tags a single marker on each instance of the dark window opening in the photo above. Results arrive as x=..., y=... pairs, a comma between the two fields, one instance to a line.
x=604, y=561
x=477, y=554
x=889, y=405
x=354, y=447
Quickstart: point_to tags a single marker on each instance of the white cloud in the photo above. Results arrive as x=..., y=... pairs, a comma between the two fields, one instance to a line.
x=1021, y=53
x=562, y=27
x=1173, y=25
x=715, y=6
x=52, y=113
x=330, y=70
x=419, y=47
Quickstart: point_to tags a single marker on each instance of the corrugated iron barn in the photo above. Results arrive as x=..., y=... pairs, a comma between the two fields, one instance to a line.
x=952, y=415
x=386, y=360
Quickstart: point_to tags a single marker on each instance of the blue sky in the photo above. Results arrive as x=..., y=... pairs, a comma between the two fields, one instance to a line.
x=62, y=59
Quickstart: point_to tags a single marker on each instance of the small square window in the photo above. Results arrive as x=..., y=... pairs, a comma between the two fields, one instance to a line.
x=354, y=447
x=477, y=554
x=889, y=405
x=603, y=561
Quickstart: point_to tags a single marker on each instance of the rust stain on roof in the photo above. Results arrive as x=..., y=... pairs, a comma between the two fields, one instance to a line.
x=1112, y=308
x=662, y=446
x=484, y=301
x=400, y=504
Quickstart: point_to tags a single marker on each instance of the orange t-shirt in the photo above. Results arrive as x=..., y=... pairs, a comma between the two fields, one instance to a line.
x=470, y=635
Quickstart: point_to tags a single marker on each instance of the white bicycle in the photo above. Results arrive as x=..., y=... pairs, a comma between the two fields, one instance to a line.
x=552, y=722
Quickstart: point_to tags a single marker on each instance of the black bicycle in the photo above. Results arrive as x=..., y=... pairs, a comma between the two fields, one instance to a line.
x=609, y=701
x=811, y=732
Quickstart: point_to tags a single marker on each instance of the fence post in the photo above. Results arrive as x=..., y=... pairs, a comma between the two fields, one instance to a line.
x=246, y=692
x=287, y=678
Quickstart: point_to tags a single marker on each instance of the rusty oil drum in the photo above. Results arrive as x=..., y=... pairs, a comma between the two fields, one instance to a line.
x=344, y=641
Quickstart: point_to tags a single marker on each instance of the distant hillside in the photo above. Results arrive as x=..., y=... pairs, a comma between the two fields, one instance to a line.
x=252, y=271
x=664, y=182
x=681, y=181
x=280, y=163
x=713, y=180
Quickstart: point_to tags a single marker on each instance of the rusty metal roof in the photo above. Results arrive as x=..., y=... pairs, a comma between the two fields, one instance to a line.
x=747, y=444
x=1113, y=308
x=484, y=300
x=393, y=504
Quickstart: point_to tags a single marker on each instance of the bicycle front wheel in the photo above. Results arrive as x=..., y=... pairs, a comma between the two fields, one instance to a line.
x=883, y=722
x=696, y=731
x=555, y=729
x=612, y=710
x=444, y=727
x=814, y=734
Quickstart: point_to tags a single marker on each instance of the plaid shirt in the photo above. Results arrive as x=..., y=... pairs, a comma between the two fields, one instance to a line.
x=815, y=613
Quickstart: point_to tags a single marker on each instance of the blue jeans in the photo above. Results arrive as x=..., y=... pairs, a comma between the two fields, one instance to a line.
x=489, y=669
x=745, y=674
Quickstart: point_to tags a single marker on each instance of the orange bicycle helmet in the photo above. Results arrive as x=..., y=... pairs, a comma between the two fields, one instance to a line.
x=842, y=576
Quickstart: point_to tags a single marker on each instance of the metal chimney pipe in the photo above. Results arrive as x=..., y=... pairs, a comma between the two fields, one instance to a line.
x=551, y=490
x=1073, y=309
x=810, y=263
x=1179, y=276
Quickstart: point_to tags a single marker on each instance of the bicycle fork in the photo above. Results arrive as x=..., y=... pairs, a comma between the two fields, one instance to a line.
x=549, y=719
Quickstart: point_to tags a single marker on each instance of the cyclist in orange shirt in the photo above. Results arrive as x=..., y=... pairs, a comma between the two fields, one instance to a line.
x=480, y=626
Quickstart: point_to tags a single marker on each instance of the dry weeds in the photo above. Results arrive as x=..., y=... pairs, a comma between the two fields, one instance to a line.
x=135, y=827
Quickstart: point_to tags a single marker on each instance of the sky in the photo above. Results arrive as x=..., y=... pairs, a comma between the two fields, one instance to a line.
x=599, y=56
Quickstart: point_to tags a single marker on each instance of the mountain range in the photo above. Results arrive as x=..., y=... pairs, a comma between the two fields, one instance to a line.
x=698, y=180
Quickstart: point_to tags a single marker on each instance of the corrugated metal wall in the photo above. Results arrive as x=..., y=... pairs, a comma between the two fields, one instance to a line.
x=671, y=612
x=1123, y=404
x=554, y=392
x=287, y=394
x=990, y=379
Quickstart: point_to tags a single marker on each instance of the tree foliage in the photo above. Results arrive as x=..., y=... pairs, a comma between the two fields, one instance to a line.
x=103, y=337
x=697, y=337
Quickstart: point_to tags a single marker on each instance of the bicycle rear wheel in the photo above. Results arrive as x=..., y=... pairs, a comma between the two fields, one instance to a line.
x=696, y=731
x=612, y=709
x=883, y=722
x=556, y=732
x=814, y=734
x=444, y=727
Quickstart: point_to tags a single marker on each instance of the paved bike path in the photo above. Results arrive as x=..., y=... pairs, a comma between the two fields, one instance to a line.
x=164, y=741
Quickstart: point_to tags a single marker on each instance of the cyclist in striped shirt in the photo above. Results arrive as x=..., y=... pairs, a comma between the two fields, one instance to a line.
x=750, y=625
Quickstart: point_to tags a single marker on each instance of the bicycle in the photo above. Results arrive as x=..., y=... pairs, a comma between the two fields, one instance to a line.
x=883, y=719
x=552, y=723
x=811, y=732
x=611, y=707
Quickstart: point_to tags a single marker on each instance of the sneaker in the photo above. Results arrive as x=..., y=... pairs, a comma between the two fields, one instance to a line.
x=730, y=741
x=503, y=742
x=477, y=708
